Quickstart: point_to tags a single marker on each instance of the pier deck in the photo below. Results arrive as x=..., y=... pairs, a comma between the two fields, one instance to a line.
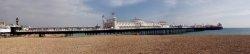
x=149, y=31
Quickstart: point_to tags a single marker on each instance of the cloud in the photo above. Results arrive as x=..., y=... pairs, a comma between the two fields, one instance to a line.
x=114, y=3
x=170, y=2
x=49, y=12
x=230, y=13
x=86, y=12
x=173, y=3
x=117, y=3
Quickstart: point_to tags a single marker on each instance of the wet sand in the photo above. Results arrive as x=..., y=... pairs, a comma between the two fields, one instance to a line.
x=169, y=44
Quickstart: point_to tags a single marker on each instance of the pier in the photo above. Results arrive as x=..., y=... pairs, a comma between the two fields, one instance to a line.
x=111, y=26
x=148, y=31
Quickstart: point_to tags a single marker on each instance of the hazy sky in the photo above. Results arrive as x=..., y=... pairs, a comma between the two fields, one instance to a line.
x=231, y=13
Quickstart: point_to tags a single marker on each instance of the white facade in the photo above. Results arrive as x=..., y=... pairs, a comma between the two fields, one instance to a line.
x=4, y=28
x=113, y=23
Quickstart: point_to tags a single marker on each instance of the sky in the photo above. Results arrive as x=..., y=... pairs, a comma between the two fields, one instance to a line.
x=231, y=13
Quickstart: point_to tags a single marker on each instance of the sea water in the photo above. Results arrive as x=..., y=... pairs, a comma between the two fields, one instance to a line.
x=225, y=31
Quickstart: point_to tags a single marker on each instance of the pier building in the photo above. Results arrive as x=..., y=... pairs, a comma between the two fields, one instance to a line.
x=112, y=22
x=3, y=27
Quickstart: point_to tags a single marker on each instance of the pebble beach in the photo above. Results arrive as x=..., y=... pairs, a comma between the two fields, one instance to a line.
x=128, y=44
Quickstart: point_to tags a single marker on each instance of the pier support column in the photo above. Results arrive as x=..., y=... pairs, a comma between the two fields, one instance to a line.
x=66, y=35
x=41, y=35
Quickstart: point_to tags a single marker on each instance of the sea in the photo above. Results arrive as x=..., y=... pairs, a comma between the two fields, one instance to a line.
x=225, y=31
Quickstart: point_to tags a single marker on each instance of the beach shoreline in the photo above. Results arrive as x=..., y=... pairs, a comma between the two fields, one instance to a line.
x=128, y=44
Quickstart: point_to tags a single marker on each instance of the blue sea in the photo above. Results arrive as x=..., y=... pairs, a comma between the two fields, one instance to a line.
x=225, y=31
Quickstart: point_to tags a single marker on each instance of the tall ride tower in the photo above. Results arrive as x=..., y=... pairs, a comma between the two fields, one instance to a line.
x=17, y=21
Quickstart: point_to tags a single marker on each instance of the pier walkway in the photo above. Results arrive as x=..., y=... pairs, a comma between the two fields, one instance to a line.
x=148, y=31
